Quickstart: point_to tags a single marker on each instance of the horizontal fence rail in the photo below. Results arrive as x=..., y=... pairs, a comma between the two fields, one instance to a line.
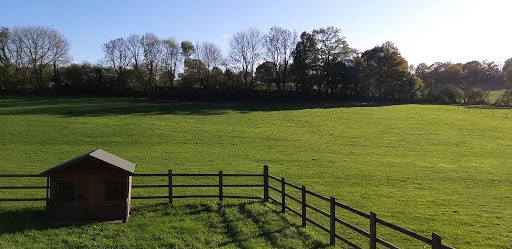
x=47, y=187
x=21, y=175
x=305, y=194
x=220, y=185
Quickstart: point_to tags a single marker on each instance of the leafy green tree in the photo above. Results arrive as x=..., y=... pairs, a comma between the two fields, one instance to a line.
x=217, y=78
x=494, y=77
x=430, y=89
x=305, y=62
x=447, y=73
x=507, y=72
x=386, y=74
x=187, y=49
x=485, y=75
x=194, y=74
x=439, y=80
x=346, y=75
x=473, y=95
x=332, y=48
x=84, y=77
x=266, y=73
x=506, y=98
x=474, y=72
x=449, y=94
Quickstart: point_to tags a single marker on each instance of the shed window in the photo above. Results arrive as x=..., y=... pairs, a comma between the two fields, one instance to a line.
x=64, y=191
x=114, y=191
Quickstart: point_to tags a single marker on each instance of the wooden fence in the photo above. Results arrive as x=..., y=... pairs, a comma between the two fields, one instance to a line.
x=171, y=196
x=373, y=220
x=47, y=187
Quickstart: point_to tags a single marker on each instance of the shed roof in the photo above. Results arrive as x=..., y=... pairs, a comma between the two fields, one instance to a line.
x=110, y=160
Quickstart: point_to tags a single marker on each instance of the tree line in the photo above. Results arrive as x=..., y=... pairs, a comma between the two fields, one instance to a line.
x=278, y=63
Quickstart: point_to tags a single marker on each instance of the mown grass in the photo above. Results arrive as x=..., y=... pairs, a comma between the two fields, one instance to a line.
x=206, y=225
x=442, y=169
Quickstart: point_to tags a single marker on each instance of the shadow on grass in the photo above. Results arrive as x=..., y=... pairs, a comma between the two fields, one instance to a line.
x=244, y=223
x=267, y=223
x=13, y=221
x=90, y=107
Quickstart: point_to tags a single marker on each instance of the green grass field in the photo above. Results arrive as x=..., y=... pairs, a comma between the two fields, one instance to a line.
x=494, y=95
x=428, y=168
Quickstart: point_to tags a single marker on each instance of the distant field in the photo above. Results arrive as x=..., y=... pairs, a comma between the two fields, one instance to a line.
x=494, y=95
x=428, y=168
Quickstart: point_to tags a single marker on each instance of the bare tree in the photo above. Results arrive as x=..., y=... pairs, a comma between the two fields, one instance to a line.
x=170, y=59
x=245, y=52
x=210, y=54
x=59, y=53
x=117, y=57
x=6, y=66
x=279, y=45
x=37, y=47
x=152, y=50
x=116, y=54
x=134, y=47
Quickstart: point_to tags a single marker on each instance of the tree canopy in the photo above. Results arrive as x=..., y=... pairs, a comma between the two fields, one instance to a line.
x=315, y=64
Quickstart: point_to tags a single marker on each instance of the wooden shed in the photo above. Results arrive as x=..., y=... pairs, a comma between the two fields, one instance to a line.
x=95, y=186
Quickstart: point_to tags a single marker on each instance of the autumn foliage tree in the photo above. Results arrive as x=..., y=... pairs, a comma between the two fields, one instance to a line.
x=386, y=74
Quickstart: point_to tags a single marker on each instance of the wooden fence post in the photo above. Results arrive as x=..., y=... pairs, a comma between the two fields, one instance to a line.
x=436, y=241
x=169, y=176
x=373, y=230
x=283, y=196
x=303, y=206
x=127, y=201
x=265, y=183
x=332, y=216
x=221, y=192
x=47, y=194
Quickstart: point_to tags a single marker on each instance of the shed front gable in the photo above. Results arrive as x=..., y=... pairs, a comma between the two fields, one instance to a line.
x=98, y=158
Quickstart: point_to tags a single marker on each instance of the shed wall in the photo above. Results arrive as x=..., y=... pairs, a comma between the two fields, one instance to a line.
x=90, y=203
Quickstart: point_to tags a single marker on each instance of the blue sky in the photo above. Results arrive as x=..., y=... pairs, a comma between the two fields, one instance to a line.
x=424, y=31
